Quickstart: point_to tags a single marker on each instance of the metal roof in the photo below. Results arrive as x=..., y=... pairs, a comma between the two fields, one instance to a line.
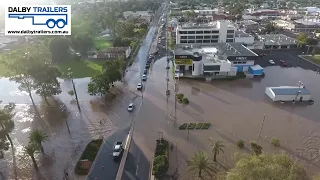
x=289, y=91
x=277, y=40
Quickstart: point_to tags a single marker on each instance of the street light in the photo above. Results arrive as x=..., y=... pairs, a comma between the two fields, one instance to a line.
x=70, y=75
x=298, y=92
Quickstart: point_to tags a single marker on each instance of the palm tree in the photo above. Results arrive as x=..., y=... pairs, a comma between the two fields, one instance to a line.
x=38, y=136
x=200, y=163
x=217, y=147
x=30, y=150
x=6, y=123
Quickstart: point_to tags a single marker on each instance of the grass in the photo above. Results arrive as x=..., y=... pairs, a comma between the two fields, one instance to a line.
x=101, y=43
x=315, y=59
x=82, y=68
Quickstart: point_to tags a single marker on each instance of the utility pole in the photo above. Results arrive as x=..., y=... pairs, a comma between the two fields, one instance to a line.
x=70, y=74
x=264, y=118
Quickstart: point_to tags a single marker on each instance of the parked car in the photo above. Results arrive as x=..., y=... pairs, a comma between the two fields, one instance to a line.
x=145, y=71
x=144, y=77
x=130, y=107
x=117, y=150
x=283, y=63
x=147, y=65
x=139, y=86
x=272, y=62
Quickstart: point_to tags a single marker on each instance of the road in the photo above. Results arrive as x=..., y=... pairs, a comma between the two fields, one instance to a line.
x=104, y=166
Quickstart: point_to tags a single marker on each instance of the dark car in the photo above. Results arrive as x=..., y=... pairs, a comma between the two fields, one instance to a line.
x=147, y=65
x=283, y=63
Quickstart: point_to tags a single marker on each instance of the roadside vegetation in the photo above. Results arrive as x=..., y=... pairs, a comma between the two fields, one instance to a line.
x=161, y=158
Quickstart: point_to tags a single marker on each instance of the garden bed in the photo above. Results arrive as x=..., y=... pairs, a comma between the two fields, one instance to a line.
x=192, y=126
x=88, y=155
x=161, y=158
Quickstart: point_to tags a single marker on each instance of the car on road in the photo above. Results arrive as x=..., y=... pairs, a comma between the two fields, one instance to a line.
x=147, y=65
x=283, y=63
x=139, y=86
x=163, y=46
x=130, y=107
x=271, y=62
x=117, y=150
x=144, y=77
x=145, y=71
x=163, y=38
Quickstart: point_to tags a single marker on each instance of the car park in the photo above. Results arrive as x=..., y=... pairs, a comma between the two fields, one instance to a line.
x=117, y=150
x=130, y=107
x=139, y=86
x=271, y=62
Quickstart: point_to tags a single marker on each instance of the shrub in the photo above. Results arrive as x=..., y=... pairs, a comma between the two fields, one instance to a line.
x=180, y=96
x=240, y=144
x=191, y=125
x=276, y=142
x=185, y=101
x=206, y=125
x=183, y=126
x=199, y=125
x=257, y=149
x=161, y=158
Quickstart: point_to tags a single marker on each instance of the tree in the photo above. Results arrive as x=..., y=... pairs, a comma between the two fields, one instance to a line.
x=45, y=81
x=302, y=38
x=7, y=126
x=266, y=166
x=38, y=137
x=30, y=150
x=99, y=84
x=269, y=28
x=217, y=147
x=82, y=42
x=59, y=48
x=199, y=164
x=121, y=42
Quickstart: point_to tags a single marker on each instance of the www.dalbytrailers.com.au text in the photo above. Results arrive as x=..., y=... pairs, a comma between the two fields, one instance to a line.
x=37, y=32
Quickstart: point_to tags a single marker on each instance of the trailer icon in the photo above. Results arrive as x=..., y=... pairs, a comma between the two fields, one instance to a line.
x=44, y=19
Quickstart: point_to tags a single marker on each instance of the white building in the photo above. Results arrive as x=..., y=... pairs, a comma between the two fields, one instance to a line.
x=244, y=38
x=288, y=93
x=220, y=31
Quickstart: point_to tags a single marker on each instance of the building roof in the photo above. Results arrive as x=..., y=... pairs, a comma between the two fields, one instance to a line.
x=277, y=40
x=256, y=67
x=289, y=90
x=241, y=34
x=222, y=49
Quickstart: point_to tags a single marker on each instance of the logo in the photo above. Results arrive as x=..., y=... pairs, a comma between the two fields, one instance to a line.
x=38, y=20
x=241, y=58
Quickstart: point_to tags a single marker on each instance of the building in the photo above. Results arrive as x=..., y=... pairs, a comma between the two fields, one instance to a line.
x=110, y=53
x=256, y=70
x=244, y=38
x=299, y=25
x=146, y=15
x=220, y=31
x=219, y=59
x=288, y=93
x=276, y=41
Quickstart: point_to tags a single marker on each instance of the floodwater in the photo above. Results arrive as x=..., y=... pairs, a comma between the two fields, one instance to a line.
x=64, y=148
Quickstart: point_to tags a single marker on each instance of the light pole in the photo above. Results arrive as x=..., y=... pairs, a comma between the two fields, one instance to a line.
x=298, y=92
x=70, y=75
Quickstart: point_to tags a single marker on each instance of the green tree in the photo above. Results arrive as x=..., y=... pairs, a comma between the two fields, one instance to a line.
x=31, y=149
x=38, y=137
x=269, y=28
x=99, y=84
x=59, y=48
x=7, y=126
x=266, y=166
x=83, y=42
x=45, y=81
x=302, y=38
x=216, y=147
x=200, y=164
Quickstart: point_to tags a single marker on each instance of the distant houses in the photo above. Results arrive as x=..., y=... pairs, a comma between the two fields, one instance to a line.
x=110, y=53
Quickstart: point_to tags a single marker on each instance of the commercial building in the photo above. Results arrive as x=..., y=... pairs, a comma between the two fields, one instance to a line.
x=212, y=60
x=244, y=38
x=299, y=25
x=276, y=41
x=220, y=31
x=288, y=93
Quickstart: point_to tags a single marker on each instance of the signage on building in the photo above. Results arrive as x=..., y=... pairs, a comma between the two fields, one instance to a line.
x=184, y=61
x=241, y=58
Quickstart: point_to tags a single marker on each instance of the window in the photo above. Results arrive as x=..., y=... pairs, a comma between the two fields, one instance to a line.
x=191, y=37
x=183, y=41
x=207, y=37
x=206, y=41
x=191, y=32
x=211, y=68
x=199, y=32
x=229, y=40
x=214, y=41
x=215, y=37
x=198, y=41
x=229, y=36
x=206, y=32
x=199, y=37
x=183, y=32
x=191, y=41
x=215, y=32
x=230, y=31
x=235, y=62
x=184, y=37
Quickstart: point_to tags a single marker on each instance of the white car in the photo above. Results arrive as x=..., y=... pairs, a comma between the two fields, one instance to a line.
x=139, y=86
x=271, y=62
x=163, y=46
x=144, y=77
x=130, y=107
x=117, y=150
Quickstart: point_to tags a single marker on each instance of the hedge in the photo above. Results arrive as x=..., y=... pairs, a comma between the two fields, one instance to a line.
x=90, y=154
x=191, y=126
x=161, y=158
